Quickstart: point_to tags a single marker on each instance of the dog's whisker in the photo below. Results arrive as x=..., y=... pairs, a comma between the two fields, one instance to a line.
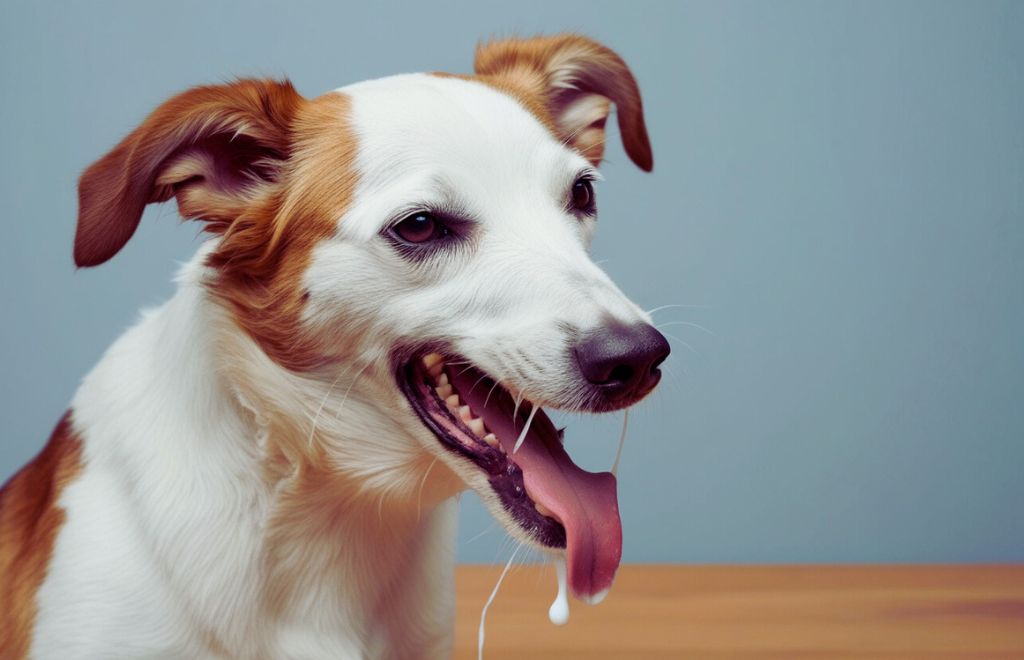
x=687, y=323
x=316, y=418
x=478, y=381
x=380, y=506
x=519, y=400
x=663, y=307
x=469, y=368
x=419, y=494
x=683, y=343
x=480, y=534
x=569, y=137
x=490, y=392
x=677, y=386
x=599, y=143
x=344, y=399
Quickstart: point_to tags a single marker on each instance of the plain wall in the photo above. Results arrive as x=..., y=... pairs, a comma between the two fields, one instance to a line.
x=837, y=199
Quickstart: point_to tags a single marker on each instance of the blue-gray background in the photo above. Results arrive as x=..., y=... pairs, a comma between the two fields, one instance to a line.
x=838, y=198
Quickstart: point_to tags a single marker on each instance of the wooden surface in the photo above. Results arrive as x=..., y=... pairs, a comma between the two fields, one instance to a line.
x=897, y=612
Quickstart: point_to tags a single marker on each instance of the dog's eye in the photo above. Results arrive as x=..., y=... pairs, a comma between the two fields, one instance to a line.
x=420, y=228
x=582, y=196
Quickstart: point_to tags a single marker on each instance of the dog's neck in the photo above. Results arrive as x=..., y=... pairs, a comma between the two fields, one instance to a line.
x=293, y=510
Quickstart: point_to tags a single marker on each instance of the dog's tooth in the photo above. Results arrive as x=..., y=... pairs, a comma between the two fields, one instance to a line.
x=492, y=440
x=452, y=402
x=477, y=426
x=465, y=413
x=436, y=370
x=432, y=359
x=543, y=510
x=444, y=391
x=442, y=379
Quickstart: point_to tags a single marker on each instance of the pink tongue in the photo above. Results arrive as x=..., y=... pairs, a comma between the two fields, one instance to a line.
x=586, y=503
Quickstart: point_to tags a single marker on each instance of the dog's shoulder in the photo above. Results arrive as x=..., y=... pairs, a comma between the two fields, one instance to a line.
x=30, y=519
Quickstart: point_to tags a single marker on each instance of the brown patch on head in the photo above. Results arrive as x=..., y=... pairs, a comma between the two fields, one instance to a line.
x=29, y=522
x=267, y=249
x=570, y=82
x=256, y=162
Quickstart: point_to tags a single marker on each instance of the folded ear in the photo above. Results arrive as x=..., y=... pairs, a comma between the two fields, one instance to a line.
x=214, y=148
x=577, y=80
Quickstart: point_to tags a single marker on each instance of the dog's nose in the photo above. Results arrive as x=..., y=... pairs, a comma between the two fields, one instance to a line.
x=622, y=359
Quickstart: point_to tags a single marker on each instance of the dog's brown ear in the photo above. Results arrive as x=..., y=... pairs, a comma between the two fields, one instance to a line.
x=577, y=80
x=214, y=148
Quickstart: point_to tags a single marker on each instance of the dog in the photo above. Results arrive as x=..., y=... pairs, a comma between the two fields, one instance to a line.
x=396, y=282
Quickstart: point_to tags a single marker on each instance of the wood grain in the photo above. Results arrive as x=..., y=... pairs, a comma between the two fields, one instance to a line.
x=903, y=612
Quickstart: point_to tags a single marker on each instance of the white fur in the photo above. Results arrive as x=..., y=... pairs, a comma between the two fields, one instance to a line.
x=174, y=545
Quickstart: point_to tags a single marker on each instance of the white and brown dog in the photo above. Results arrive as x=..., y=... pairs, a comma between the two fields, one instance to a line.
x=397, y=280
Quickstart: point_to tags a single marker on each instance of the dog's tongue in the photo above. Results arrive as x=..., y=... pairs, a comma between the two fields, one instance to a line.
x=586, y=503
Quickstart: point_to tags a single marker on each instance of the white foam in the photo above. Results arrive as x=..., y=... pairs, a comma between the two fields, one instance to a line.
x=559, y=610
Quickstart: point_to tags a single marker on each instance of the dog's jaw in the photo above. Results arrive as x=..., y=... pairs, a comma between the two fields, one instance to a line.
x=528, y=481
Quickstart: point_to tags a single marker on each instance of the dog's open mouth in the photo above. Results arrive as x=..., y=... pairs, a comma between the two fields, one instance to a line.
x=554, y=502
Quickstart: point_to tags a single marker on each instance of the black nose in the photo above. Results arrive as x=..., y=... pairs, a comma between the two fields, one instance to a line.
x=622, y=359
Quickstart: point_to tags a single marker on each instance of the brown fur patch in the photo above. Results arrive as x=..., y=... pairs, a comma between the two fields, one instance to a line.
x=266, y=250
x=551, y=76
x=29, y=522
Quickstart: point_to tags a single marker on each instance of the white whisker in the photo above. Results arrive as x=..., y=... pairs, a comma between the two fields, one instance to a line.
x=515, y=411
x=466, y=369
x=692, y=325
x=622, y=441
x=316, y=418
x=337, y=414
x=480, y=534
x=419, y=495
x=490, y=392
x=680, y=341
x=658, y=309
x=477, y=383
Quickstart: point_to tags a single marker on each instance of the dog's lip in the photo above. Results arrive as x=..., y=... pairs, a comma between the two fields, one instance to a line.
x=580, y=508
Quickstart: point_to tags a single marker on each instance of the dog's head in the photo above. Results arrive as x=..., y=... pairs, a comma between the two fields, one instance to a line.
x=433, y=230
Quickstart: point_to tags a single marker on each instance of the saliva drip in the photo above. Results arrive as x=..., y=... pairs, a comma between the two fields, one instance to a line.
x=558, y=613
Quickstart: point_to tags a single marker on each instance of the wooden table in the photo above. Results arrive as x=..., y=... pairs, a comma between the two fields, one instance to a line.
x=894, y=612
